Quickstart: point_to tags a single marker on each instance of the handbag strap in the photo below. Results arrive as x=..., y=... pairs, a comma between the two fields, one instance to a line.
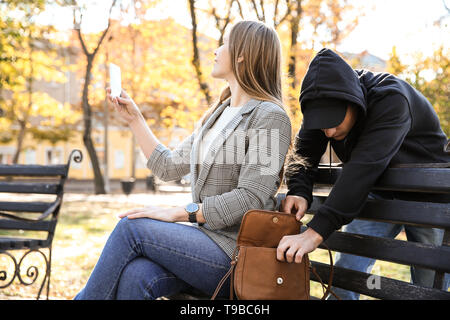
x=327, y=290
x=228, y=274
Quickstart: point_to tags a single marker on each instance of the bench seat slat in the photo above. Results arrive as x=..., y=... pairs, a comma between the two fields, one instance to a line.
x=399, y=179
x=436, y=215
x=24, y=206
x=398, y=251
x=33, y=170
x=388, y=288
x=39, y=188
x=23, y=243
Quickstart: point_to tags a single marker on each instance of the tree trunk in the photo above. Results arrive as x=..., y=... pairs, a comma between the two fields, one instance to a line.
x=87, y=139
x=105, y=125
x=196, y=59
x=24, y=121
x=99, y=183
x=20, y=138
x=133, y=90
x=294, y=26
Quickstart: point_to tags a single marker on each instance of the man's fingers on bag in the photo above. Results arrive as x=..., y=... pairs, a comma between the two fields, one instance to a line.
x=281, y=249
x=290, y=254
x=282, y=205
x=300, y=215
x=299, y=256
x=286, y=205
x=291, y=206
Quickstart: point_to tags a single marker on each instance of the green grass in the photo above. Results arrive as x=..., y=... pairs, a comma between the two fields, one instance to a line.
x=80, y=236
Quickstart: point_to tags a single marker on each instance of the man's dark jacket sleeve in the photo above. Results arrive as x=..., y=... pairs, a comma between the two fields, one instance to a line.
x=301, y=171
x=384, y=130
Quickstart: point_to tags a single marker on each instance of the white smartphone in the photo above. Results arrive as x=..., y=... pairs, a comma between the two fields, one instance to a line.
x=115, y=80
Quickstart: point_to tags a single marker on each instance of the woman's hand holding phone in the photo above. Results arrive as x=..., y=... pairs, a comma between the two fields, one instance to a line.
x=125, y=106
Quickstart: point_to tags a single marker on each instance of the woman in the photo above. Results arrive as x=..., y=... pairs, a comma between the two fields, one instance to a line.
x=154, y=257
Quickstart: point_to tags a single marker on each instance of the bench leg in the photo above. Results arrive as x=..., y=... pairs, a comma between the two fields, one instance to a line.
x=47, y=275
x=32, y=272
x=4, y=273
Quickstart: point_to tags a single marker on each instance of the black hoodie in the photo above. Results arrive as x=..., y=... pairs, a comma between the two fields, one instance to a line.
x=396, y=124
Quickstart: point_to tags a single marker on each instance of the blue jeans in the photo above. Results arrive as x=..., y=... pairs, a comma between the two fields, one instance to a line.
x=146, y=259
x=419, y=276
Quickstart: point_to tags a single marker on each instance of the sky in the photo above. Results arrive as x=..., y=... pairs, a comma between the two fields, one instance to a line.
x=407, y=24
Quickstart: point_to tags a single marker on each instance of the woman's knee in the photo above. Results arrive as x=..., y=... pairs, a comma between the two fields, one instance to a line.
x=144, y=279
x=134, y=280
x=132, y=227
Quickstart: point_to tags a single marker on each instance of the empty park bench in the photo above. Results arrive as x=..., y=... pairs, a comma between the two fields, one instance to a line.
x=412, y=181
x=19, y=216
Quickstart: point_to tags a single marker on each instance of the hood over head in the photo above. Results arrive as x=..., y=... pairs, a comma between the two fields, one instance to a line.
x=329, y=78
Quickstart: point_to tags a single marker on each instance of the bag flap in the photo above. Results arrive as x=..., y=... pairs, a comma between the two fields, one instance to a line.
x=264, y=228
x=260, y=276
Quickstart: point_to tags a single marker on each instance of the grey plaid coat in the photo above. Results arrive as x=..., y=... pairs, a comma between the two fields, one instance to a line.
x=240, y=171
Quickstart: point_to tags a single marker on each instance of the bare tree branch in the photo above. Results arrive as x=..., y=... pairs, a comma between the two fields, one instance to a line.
x=446, y=6
x=241, y=12
x=260, y=13
x=222, y=22
x=77, y=26
x=277, y=22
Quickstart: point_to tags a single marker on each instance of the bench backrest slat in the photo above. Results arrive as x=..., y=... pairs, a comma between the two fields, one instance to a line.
x=24, y=206
x=425, y=214
x=397, y=251
x=33, y=170
x=436, y=180
x=9, y=224
x=39, y=188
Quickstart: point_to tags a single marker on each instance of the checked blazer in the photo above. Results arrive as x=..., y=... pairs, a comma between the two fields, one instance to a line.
x=240, y=172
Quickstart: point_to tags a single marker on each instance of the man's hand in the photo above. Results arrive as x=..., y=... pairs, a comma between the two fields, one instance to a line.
x=296, y=205
x=292, y=248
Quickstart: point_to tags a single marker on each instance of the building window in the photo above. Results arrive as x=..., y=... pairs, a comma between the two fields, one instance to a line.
x=119, y=159
x=53, y=156
x=6, y=155
x=141, y=161
x=30, y=156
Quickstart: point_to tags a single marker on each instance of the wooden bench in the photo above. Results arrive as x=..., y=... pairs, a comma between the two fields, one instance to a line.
x=413, y=180
x=430, y=179
x=19, y=216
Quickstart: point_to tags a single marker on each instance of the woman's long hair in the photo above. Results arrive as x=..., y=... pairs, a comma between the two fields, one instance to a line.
x=260, y=72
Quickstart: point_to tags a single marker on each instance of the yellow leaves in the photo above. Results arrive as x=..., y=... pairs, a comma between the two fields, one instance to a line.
x=154, y=57
x=4, y=123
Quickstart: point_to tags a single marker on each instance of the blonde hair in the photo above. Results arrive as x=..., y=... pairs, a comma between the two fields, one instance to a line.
x=260, y=72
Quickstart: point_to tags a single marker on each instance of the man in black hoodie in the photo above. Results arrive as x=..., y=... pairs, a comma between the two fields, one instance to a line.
x=372, y=120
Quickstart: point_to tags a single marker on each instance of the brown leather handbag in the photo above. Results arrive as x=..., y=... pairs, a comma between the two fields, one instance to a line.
x=255, y=272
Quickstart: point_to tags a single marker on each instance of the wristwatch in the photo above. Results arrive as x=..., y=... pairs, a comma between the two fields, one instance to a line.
x=192, y=209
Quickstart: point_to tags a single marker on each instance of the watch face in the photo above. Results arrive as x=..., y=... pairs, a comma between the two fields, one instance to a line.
x=192, y=207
